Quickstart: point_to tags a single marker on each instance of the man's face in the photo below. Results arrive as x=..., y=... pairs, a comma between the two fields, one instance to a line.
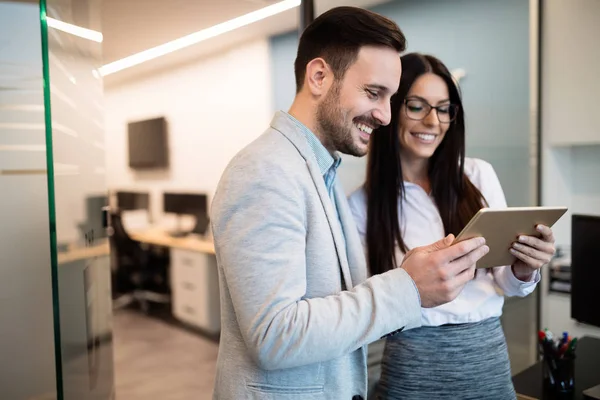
x=360, y=102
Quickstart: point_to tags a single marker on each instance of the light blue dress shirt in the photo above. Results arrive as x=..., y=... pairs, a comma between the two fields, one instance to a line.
x=328, y=163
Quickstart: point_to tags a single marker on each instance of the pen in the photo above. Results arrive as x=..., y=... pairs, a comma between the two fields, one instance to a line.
x=572, y=345
x=563, y=349
x=565, y=338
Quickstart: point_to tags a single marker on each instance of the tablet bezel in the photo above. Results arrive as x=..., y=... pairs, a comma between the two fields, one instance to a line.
x=514, y=221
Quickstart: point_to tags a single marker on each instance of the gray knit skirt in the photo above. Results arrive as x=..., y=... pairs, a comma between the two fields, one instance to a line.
x=458, y=362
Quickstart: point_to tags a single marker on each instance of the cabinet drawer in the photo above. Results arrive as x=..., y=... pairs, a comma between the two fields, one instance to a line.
x=188, y=286
x=186, y=267
x=187, y=311
x=195, y=289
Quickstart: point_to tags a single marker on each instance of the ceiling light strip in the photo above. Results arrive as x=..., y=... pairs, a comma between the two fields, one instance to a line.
x=75, y=30
x=198, y=37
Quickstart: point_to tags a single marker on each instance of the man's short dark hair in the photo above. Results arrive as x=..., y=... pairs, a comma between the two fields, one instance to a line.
x=337, y=36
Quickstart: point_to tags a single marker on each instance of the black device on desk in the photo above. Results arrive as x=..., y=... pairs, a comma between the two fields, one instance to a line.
x=585, y=269
x=95, y=225
x=127, y=201
x=195, y=204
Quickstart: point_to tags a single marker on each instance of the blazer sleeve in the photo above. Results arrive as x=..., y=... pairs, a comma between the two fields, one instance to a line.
x=259, y=227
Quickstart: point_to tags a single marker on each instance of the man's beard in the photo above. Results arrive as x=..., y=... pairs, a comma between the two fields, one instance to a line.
x=334, y=127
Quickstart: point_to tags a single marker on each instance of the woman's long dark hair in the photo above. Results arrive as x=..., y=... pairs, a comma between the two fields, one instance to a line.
x=456, y=197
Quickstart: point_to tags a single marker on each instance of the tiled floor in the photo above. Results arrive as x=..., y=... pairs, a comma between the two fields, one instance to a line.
x=155, y=360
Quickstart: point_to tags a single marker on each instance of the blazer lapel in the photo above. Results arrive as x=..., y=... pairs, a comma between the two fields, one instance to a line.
x=340, y=244
x=282, y=123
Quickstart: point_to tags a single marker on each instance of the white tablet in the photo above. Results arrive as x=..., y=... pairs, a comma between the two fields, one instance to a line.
x=501, y=227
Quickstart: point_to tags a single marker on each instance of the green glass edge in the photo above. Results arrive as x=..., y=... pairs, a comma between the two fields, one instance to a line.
x=51, y=201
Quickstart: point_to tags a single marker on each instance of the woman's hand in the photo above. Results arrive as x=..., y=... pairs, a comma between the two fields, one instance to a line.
x=532, y=253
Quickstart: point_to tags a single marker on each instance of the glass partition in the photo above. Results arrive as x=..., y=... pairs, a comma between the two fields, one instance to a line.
x=72, y=54
x=55, y=302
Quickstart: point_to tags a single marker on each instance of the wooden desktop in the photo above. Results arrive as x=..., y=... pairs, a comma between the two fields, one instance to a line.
x=76, y=253
x=159, y=237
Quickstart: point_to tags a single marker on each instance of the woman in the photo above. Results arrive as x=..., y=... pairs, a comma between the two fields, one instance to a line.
x=419, y=188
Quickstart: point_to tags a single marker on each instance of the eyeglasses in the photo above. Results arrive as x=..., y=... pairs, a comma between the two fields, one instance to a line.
x=418, y=110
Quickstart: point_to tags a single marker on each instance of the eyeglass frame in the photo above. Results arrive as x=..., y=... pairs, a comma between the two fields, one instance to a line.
x=456, y=108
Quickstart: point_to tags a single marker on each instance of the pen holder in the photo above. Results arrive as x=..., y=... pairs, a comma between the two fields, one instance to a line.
x=559, y=374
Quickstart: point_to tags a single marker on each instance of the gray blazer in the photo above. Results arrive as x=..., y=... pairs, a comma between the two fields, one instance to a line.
x=289, y=330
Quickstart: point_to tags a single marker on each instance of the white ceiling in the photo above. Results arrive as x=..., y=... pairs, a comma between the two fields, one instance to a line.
x=131, y=26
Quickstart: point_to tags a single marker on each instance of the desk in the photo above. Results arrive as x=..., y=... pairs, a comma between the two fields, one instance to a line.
x=529, y=383
x=76, y=253
x=161, y=238
x=84, y=298
x=151, y=236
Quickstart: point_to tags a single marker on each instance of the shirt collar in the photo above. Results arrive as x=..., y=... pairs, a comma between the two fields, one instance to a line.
x=325, y=160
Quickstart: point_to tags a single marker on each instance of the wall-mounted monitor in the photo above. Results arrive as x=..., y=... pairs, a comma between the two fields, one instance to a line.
x=148, y=144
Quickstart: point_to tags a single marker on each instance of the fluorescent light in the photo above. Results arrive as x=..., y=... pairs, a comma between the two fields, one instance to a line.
x=75, y=30
x=197, y=37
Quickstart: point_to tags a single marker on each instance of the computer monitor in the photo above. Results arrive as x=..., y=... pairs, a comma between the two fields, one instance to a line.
x=185, y=203
x=127, y=201
x=585, y=269
x=195, y=204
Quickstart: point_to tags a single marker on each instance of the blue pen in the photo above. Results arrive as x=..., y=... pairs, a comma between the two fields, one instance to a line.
x=565, y=338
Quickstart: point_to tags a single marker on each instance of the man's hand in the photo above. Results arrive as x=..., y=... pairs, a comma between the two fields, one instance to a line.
x=440, y=270
x=532, y=253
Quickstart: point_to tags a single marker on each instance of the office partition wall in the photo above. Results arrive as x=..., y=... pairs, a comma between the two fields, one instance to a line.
x=55, y=309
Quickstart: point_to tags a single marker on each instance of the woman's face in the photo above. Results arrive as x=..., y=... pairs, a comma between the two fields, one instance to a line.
x=420, y=129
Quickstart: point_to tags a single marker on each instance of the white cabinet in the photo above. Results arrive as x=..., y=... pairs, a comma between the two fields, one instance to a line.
x=195, y=289
x=570, y=83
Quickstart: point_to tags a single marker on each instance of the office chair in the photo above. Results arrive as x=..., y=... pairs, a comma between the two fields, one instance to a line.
x=134, y=273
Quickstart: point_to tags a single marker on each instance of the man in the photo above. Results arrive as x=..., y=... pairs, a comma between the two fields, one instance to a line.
x=297, y=309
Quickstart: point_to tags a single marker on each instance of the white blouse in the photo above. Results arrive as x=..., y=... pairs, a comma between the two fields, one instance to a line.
x=421, y=225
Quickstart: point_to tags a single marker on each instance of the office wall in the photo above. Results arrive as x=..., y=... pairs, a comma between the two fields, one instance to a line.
x=570, y=87
x=214, y=107
x=488, y=39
